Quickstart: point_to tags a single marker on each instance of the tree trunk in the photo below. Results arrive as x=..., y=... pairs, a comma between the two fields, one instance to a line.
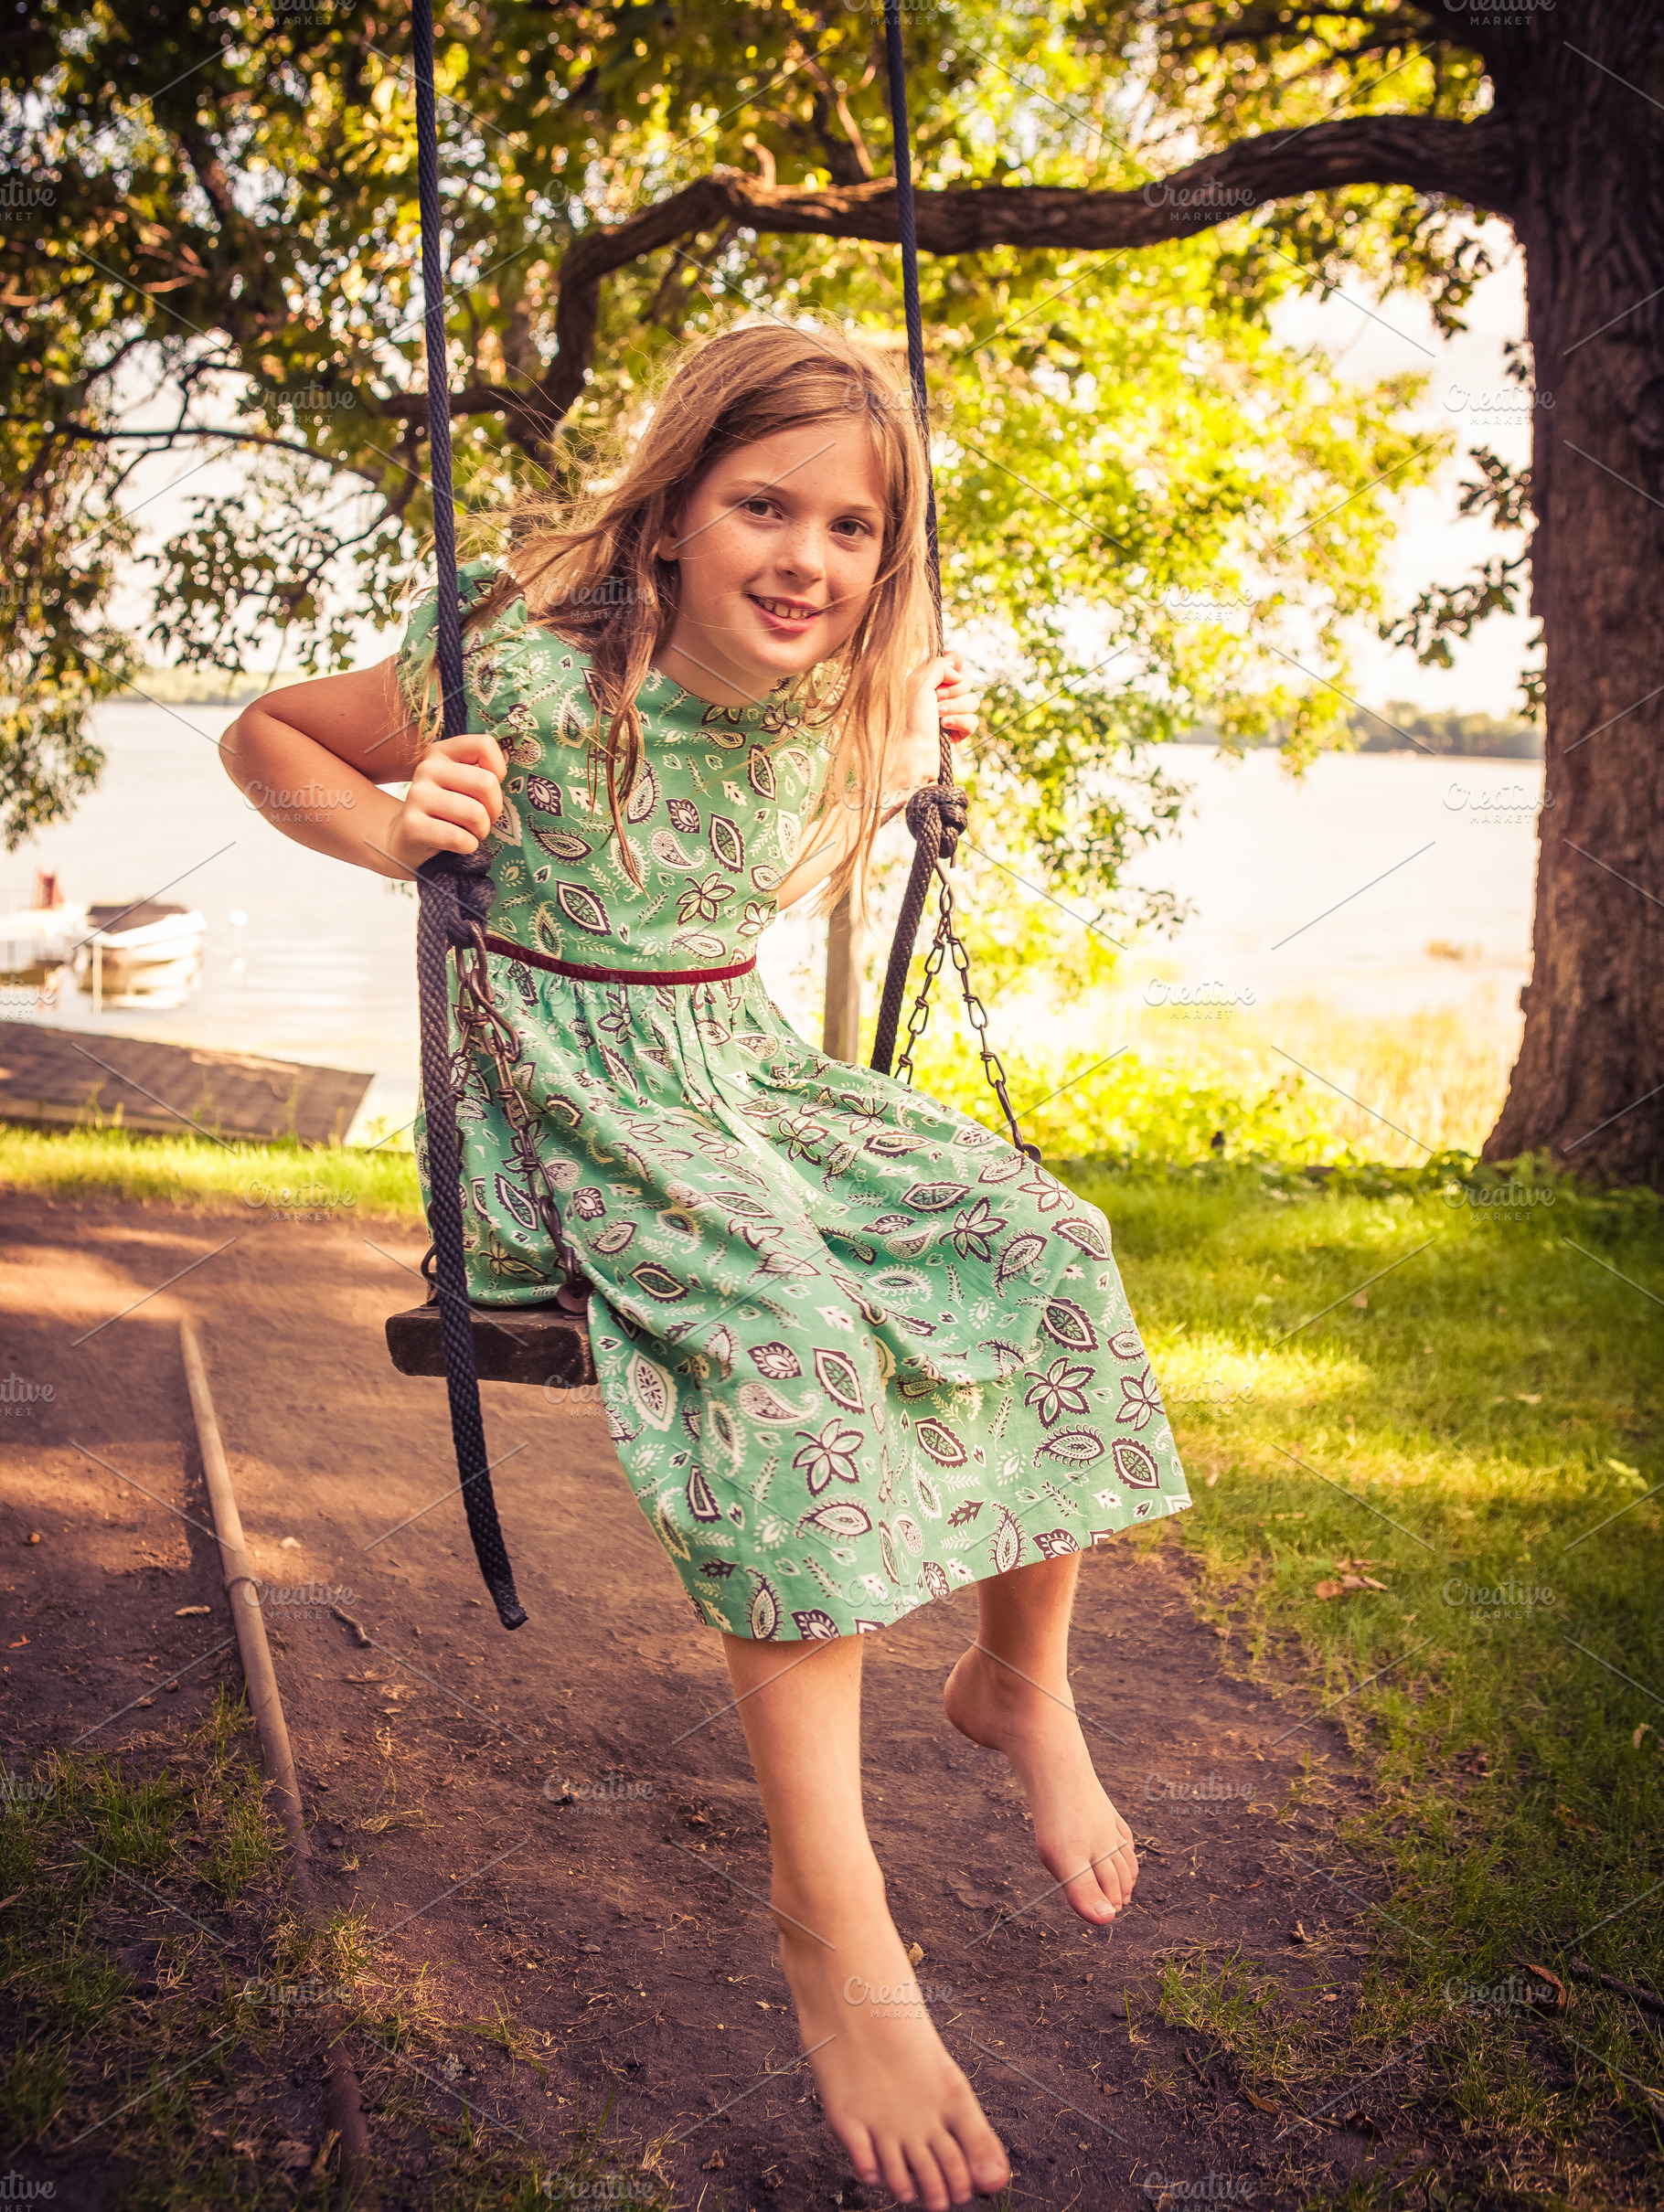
x=841, y=1027
x=1588, y=1085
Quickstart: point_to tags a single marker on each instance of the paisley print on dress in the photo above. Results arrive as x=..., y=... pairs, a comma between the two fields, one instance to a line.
x=579, y=904
x=854, y=1350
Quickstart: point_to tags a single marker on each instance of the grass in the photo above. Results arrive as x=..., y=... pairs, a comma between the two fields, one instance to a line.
x=1299, y=1082
x=324, y=1182
x=159, y=2000
x=110, y=2030
x=1396, y=1366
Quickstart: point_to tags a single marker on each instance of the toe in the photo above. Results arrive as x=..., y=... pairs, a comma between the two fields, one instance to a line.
x=863, y=2157
x=955, y=2171
x=927, y=2174
x=898, y=2176
x=1094, y=1895
x=984, y=2153
x=1118, y=1868
x=990, y=2168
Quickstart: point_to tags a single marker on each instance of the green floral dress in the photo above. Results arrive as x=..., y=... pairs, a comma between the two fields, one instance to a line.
x=855, y=1350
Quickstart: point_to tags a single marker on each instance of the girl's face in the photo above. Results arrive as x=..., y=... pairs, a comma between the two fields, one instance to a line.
x=778, y=546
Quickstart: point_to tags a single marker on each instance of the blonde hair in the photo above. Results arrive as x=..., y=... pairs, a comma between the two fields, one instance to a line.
x=586, y=565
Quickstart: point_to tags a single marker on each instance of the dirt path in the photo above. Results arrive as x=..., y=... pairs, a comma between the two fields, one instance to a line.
x=625, y=1928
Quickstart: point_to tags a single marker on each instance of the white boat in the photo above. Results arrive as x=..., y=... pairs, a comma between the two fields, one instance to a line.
x=145, y=954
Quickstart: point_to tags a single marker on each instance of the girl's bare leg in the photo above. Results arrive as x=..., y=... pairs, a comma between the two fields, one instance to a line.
x=903, y=2111
x=1010, y=1691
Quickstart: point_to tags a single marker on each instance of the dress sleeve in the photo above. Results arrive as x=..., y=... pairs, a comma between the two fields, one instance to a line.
x=417, y=679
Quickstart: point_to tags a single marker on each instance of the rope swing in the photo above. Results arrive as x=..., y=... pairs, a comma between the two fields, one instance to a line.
x=456, y=891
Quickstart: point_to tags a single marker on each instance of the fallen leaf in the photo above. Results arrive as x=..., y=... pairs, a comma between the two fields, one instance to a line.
x=1361, y=1298
x=1529, y=1398
x=1552, y=1997
x=291, y=2153
x=1297, y=1934
x=713, y=2164
x=977, y=1900
x=1635, y=1739
x=1109, y=2087
x=1361, y=2121
x=1568, y=1818
x=1347, y=1582
x=915, y=1956
x=1356, y=1566
x=1260, y=2104
x=187, y=1613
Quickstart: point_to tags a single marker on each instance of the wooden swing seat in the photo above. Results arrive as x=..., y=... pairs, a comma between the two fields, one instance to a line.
x=544, y=1344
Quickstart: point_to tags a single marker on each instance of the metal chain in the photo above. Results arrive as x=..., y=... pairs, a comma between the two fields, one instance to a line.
x=947, y=940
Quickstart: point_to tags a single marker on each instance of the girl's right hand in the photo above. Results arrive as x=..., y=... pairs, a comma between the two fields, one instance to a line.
x=456, y=794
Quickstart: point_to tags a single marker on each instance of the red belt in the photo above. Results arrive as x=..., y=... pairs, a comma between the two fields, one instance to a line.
x=618, y=975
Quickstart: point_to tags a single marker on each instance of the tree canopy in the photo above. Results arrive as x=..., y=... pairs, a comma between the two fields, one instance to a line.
x=1150, y=507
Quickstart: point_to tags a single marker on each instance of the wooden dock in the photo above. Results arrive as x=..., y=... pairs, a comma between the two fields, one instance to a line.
x=66, y=1079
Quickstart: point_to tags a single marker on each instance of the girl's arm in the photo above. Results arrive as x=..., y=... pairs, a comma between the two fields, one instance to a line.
x=945, y=699
x=311, y=757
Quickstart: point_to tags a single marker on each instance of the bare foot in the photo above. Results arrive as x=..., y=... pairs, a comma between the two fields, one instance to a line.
x=903, y=2109
x=1082, y=1841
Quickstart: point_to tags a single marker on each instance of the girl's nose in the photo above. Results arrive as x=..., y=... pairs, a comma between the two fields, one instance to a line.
x=802, y=557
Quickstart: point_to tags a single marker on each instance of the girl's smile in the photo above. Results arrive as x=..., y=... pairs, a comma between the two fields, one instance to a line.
x=788, y=617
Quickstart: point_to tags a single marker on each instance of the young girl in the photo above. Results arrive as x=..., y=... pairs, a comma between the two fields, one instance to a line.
x=855, y=1351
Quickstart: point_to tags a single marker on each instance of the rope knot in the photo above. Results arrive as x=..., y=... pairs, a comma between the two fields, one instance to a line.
x=465, y=892
x=945, y=801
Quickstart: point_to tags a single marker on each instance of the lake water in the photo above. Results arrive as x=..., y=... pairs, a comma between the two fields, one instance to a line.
x=1336, y=887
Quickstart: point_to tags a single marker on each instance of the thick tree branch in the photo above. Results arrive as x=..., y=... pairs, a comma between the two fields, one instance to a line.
x=1474, y=162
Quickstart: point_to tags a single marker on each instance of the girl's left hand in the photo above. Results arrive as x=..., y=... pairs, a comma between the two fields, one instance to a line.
x=958, y=701
x=944, y=699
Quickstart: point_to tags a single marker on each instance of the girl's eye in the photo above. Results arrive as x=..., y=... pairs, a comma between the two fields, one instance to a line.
x=759, y=506
x=850, y=526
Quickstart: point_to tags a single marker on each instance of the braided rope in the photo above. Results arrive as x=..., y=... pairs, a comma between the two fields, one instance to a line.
x=454, y=889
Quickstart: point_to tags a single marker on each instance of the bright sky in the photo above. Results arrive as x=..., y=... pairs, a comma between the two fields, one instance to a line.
x=1467, y=390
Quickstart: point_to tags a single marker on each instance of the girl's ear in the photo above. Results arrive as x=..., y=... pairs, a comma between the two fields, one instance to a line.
x=670, y=540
